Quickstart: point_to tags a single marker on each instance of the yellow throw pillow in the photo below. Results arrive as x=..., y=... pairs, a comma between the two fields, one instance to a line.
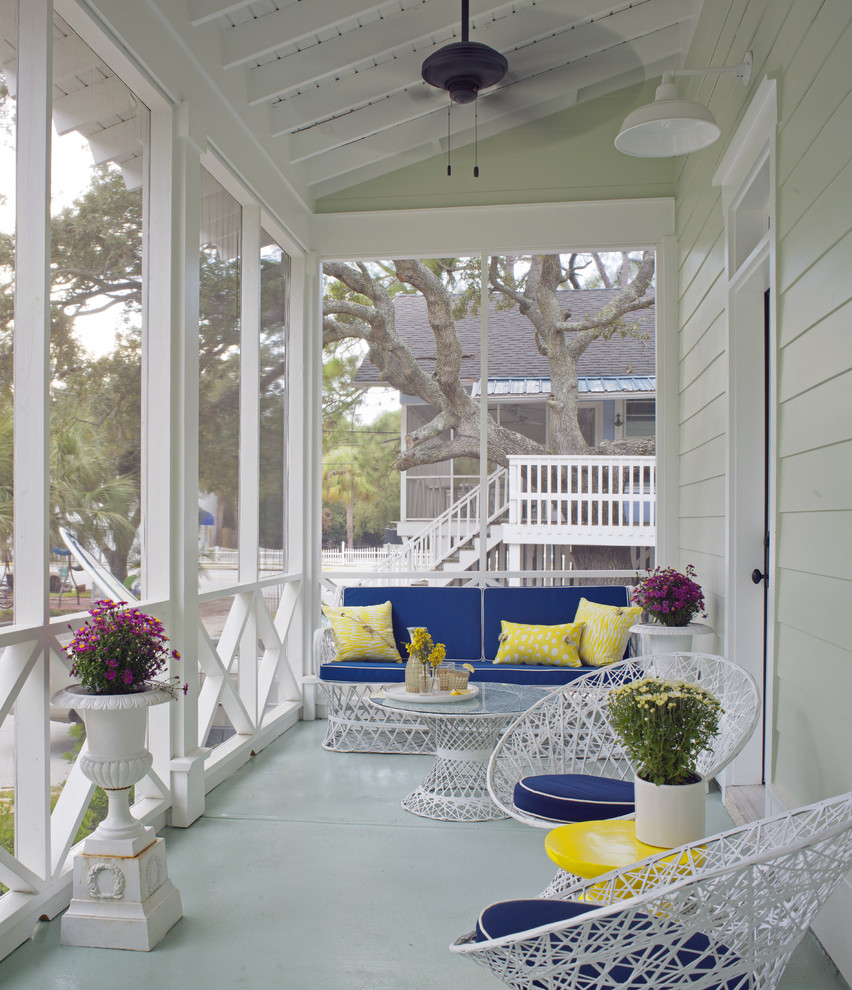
x=363, y=632
x=550, y=646
x=605, y=631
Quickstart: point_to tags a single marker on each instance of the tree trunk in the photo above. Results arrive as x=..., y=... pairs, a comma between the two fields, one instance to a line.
x=605, y=558
x=350, y=524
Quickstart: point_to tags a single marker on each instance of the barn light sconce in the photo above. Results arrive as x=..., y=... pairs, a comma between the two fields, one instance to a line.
x=618, y=420
x=671, y=126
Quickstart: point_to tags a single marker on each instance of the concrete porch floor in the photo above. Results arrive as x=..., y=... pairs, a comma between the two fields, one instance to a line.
x=306, y=873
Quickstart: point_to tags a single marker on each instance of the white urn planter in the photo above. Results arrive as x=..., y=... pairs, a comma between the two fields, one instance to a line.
x=669, y=814
x=115, y=758
x=122, y=895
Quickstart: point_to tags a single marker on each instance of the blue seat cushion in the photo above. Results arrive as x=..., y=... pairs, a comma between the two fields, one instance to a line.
x=696, y=955
x=368, y=672
x=508, y=917
x=574, y=797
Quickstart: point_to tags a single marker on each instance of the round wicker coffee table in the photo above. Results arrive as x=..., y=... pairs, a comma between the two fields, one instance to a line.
x=465, y=733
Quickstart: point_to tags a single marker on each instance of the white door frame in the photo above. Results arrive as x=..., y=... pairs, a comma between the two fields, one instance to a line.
x=747, y=177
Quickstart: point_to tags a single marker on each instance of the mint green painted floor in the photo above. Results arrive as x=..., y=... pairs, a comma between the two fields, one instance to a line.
x=306, y=874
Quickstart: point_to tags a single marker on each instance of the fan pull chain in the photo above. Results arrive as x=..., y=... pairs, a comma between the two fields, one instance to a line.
x=449, y=117
x=476, y=137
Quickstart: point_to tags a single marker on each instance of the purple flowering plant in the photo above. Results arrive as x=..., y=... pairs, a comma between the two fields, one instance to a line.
x=668, y=596
x=120, y=650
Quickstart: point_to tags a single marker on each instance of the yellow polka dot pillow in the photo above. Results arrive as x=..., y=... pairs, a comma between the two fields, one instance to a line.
x=549, y=646
x=606, y=629
x=363, y=632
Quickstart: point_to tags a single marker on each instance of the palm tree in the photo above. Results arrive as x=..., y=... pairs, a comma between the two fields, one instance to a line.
x=346, y=478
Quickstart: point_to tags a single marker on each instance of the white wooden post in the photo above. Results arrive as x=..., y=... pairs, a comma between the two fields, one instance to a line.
x=159, y=428
x=304, y=458
x=32, y=423
x=187, y=764
x=248, y=502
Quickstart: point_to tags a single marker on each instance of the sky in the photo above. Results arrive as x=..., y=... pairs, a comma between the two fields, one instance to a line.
x=71, y=169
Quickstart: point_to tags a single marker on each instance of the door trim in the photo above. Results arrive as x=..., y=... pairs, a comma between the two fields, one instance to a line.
x=747, y=177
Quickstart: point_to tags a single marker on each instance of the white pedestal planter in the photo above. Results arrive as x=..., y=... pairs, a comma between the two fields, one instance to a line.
x=671, y=814
x=122, y=896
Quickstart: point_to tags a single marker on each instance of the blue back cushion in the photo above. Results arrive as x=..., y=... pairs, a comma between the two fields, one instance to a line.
x=540, y=607
x=452, y=615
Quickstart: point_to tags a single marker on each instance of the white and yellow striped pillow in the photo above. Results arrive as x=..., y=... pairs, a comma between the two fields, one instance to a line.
x=605, y=631
x=550, y=646
x=363, y=632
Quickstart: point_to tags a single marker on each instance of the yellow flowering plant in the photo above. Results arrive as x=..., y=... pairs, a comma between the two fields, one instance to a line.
x=664, y=726
x=423, y=649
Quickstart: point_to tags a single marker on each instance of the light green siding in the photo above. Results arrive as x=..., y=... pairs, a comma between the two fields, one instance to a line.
x=565, y=157
x=807, y=46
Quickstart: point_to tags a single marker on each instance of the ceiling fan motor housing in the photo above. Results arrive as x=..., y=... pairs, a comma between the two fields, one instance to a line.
x=464, y=68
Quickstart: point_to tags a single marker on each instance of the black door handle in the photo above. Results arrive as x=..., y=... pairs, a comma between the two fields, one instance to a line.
x=757, y=575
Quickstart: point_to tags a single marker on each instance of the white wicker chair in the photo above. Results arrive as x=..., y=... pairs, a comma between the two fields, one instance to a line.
x=726, y=913
x=568, y=732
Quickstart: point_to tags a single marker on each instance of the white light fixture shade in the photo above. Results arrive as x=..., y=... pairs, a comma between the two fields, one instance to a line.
x=667, y=127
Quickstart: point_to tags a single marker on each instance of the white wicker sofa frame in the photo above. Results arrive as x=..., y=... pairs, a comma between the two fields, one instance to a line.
x=724, y=912
x=568, y=732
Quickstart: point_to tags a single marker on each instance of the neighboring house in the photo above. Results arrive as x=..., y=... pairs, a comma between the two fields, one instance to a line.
x=616, y=378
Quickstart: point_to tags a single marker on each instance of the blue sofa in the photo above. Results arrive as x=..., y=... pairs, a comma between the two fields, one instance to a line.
x=467, y=621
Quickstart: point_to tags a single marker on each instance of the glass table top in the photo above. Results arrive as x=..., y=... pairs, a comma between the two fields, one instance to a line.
x=492, y=699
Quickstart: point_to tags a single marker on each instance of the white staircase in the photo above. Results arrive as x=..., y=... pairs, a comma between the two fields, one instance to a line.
x=450, y=542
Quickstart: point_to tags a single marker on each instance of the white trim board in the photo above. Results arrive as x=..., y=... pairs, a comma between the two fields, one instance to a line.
x=547, y=227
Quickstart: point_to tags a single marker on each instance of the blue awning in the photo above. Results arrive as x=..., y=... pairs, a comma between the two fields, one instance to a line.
x=205, y=518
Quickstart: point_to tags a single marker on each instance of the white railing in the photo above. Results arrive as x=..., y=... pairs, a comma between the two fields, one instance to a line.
x=582, y=500
x=353, y=557
x=452, y=529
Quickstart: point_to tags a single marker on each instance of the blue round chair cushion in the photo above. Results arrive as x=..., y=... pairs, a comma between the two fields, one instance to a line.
x=574, y=797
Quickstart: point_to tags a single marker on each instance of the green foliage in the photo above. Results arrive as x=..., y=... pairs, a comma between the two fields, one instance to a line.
x=360, y=476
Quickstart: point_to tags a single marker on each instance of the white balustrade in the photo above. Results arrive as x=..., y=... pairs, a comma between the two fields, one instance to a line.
x=582, y=500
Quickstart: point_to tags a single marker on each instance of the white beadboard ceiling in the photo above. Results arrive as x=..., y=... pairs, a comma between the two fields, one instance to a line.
x=332, y=88
x=340, y=84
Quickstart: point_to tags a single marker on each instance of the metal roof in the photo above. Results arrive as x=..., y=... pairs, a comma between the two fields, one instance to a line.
x=612, y=385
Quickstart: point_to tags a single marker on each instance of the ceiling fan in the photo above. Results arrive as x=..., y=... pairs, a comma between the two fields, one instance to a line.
x=462, y=69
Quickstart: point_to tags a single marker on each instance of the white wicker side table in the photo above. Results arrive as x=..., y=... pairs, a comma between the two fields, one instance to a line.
x=465, y=734
x=654, y=637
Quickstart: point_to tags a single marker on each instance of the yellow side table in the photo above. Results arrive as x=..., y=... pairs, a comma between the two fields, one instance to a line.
x=588, y=849
x=591, y=849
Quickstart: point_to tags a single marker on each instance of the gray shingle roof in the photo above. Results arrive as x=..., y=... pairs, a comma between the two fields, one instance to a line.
x=512, y=354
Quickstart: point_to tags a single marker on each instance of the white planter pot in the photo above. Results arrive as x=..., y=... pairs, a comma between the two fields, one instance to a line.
x=672, y=642
x=671, y=814
x=115, y=758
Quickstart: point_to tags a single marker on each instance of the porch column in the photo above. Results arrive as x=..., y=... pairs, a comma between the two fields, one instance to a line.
x=32, y=430
x=187, y=762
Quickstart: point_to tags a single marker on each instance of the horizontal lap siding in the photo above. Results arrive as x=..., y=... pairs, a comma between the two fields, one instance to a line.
x=807, y=46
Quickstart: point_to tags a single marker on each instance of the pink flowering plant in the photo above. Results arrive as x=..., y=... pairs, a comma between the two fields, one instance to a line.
x=121, y=650
x=669, y=597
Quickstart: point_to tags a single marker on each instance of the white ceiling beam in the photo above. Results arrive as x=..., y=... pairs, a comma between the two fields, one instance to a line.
x=372, y=84
x=535, y=98
x=92, y=103
x=370, y=42
x=72, y=57
x=202, y=11
x=583, y=42
x=287, y=26
x=115, y=142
